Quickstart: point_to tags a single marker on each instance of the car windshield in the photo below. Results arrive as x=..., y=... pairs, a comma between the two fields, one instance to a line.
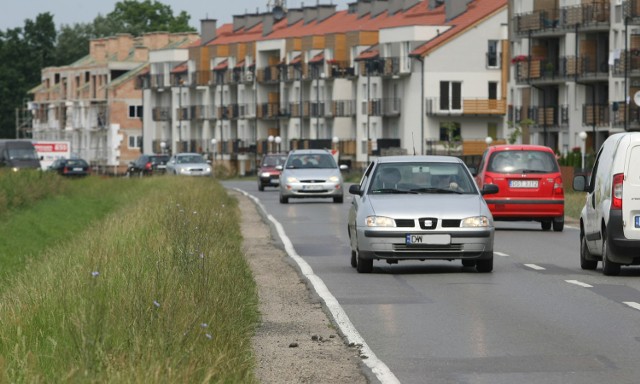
x=528, y=161
x=303, y=161
x=22, y=154
x=421, y=177
x=158, y=159
x=76, y=163
x=190, y=159
x=273, y=160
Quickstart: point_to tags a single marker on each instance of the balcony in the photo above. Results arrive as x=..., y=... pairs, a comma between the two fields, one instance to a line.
x=200, y=78
x=388, y=107
x=143, y=82
x=596, y=115
x=466, y=107
x=632, y=11
x=340, y=70
x=556, y=116
x=158, y=81
x=343, y=108
x=161, y=114
x=247, y=111
x=632, y=58
x=269, y=75
x=269, y=111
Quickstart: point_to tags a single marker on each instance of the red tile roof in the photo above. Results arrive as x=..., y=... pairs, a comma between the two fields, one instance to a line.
x=221, y=66
x=368, y=54
x=180, y=68
x=317, y=58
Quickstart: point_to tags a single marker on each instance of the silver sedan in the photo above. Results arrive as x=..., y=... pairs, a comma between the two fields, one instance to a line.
x=188, y=164
x=420, y=208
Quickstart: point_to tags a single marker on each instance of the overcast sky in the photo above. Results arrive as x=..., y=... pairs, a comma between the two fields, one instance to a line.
x=16, y=12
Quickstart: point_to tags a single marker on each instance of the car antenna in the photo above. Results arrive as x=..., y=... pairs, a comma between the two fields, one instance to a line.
x=414, y=144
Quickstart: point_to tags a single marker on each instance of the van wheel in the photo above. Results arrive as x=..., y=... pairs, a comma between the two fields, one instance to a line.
x=609, y=268
x=546, y=225
x=364, y=265
x=484, y=266
x=586, y=261
x=558, y=224
x=354, y=259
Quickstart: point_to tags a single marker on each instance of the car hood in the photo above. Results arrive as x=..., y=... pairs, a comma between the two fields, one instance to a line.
x=192, y=165
x=433, y=205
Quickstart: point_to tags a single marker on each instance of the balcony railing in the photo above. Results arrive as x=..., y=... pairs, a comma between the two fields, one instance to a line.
x=343, y=108
x=269, y=74
x=555, y=116
x=143, y=82
x=468, y=106
x=161, y=114
x=341, y=70
x=583, y=16
x=158, y=81
x=382, y=107
x=632, y=58
x=269, y=111
x=597, y=115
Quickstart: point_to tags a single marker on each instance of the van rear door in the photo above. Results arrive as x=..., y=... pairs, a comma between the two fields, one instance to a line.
x=631, y=191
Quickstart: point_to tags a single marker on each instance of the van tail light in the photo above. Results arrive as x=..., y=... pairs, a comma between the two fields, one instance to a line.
x=558, y=189
x=488, y=180
x=65, y=170
x=616, y=191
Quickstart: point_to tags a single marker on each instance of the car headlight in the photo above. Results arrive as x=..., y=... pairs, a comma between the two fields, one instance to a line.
x=380, y=221
x=208, y=169
x=334, y=179
x=292, y=179
x=184, y=170
x=265, y=174
x=476, y=221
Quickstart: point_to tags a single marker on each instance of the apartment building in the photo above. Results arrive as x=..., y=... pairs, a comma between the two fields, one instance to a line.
x=575, y=69
x=383, y=76
x=94, y=103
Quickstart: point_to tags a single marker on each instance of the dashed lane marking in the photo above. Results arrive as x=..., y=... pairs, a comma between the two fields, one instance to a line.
x=500, y=254
x=579, y=283
x=632, y=304
x=535, y=267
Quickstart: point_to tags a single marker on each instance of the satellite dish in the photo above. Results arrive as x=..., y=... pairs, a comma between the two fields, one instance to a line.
x=278, y=12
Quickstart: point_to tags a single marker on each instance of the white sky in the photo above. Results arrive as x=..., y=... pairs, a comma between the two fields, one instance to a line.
x=84, y=11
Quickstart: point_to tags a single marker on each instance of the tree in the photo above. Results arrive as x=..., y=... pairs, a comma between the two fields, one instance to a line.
x=138, y=17
x=73, y=42
x=516, y=129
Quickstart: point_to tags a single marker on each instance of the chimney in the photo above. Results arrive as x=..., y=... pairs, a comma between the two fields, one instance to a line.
x=253, y=20
x=454, y=8
x=310, y=14
x=325, y=11
x=395, y=6
x=140, y=53
x=98, y=50
x=379, y=7
x=364, y=7
x=239, y=21
x=208, y=29
x=124, y=46
x=294, y=15
x=267, y=23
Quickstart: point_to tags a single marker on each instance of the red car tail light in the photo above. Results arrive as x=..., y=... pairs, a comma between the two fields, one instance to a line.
x=558, y=189
x=147, y=166
x=616, y=191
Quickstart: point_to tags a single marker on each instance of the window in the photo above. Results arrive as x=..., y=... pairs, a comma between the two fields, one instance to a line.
x=448, y=128
x=492, y=130
x=135, y=141
x=450, y=95
x=135, y=111
x=493, y=90
x=492, y=54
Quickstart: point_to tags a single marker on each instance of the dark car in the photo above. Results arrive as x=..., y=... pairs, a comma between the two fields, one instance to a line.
x=70, y=167
x=268, y=175
x=147, y=165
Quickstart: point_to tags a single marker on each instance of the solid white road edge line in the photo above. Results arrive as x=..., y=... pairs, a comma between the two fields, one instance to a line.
x=380, y=369
x=500, y=254
x=632, y=304
x=536, y=267
x=580, y=283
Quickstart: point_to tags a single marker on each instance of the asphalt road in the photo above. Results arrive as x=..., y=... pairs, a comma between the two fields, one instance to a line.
x=538, y=318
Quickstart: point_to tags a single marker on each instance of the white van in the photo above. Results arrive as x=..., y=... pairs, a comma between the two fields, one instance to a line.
x=610, y=219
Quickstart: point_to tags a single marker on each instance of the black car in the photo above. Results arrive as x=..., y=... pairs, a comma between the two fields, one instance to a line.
x=147, y=165
x=70, y=167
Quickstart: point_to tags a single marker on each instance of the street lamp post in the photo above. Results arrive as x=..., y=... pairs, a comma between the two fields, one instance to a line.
x=179, y=149
x=488, y=140
x=583, y=137
x=214, y=143
x=270, y=145
x=163, y=147
x=278, y=140
x=334, y=141
x=368, y=66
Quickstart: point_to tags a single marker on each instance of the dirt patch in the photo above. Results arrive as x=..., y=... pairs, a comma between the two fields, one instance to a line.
x=297, y=342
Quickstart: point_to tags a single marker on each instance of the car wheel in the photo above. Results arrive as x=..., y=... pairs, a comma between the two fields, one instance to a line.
x=284, y=200
x=484, y=266
x=609, y=268
x=364, y=265
x=338, y=199
x=260, y=187
x=585, y=256
x=558, y=224
x=468, y=263
x=546, y=225
x=354, y=259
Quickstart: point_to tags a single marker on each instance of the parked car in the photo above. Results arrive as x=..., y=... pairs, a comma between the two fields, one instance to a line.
x=610, y=218
x=147, y=165
x=311, y=173
x=18, y=154
x=70, y=167
x=188, y=164
x=530, y=184
x=420, y=208
x=268, y=173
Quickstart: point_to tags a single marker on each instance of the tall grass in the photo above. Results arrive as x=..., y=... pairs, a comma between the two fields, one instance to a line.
x=158, y=291
x=24, y=188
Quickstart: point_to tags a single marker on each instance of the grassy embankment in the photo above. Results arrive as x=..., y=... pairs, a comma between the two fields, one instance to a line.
x=115, y=280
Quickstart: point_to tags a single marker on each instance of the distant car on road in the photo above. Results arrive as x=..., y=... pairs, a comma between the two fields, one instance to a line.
x=268, y=173
x=70, y=167
x=420, y=208
x=188, y=164
x=530, y=184
x=147, y=165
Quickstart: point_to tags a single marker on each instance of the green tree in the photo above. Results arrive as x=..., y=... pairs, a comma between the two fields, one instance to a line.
x=73, y=42
x=138, y=17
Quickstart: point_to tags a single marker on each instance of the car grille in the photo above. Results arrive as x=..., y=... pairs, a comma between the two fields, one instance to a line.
x=410, y=223
x=405, y=223
x=313, y=181
x=427, y=247
x=450, y=223
x=428, y=222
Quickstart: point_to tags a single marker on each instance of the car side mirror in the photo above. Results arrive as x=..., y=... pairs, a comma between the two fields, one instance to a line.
x=344, y=167
x=355, y=190
x=580, y=183
x=489, y=189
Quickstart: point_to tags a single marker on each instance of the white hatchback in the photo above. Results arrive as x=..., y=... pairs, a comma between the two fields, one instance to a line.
x=610, y=218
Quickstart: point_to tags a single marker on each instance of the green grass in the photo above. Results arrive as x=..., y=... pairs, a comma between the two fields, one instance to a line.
x=573, y=203
x=152, y=287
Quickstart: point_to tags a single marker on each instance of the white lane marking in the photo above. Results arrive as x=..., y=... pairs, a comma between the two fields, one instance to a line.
x=500, y=254
x=632, y=304
x=536, y=267
x=380, y=369
x=580, y=283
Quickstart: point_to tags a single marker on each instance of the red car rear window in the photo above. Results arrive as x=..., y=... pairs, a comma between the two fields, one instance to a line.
x=527, y=161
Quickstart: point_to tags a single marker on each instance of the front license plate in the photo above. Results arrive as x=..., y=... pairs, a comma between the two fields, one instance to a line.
x=412, y=239
x=523, y=183
x=312, y=187
x=637, y=221
x=77, y=169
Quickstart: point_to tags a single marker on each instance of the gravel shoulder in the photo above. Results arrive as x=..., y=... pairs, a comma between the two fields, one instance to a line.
x=297, y=342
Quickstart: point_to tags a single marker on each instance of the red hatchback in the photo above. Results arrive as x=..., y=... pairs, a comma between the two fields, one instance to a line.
x=530, y=184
